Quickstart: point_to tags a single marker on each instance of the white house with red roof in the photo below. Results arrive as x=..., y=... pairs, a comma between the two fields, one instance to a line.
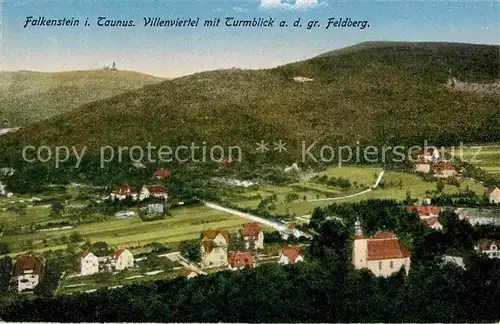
x=122, y=259
x=89, y=263
x=489, y=247
x=123, y=191
x=493, y=195
x=291, y=255
x=444, y=170
x=240, y=260
x=28, y=272
x=161, y=173
x=434, y=223
x=156, y=191
x=383, y=254
x=425, y=212
x=428, y=154
x=252, y=235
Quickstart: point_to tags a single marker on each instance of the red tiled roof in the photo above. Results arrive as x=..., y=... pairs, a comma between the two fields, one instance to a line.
x=208, y=246
x=225, y=160
x=117, y=253
x=485, y=245
x=157, y=189
x=85, y=253
x=444, y=166
x=391, y=248
x=186, y=272
x=123, y=189
x=211, y=234
x=490, y=190
x=250, y=229
x=359, y=237
x=425, y=210
x=162, y=173
x=28, y=262
x=291, y=253
x=240, y=259
x=383, y=236
x=432, y=221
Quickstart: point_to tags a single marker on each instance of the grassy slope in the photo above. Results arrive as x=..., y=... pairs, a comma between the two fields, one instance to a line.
x=374, y=94
x=31, y=96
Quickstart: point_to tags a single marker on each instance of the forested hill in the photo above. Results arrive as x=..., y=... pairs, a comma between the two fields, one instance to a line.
x=27, y=96
x=372, y=93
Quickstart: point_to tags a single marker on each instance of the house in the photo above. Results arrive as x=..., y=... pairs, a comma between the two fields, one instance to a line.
x=383, y=254
x=154, y=191
x=294, y=167
x=444, y=170
x=253, y=236
x=240, y=260
x=425, y=212
x=225, y=161
x=155, y=209
x=291, y=255
x=490, y=248
x=434, y=223
x=89, y=264
x=123, y=191
x=428, y=154
x=122, y=259
x=28, y=272
x=422, y=166
x=214, y=248
x=493, y=195
x=161, y=173
x=187, y=273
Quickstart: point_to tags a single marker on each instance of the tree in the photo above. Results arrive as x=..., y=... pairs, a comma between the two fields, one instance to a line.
x=75, y=237
x=4, y=248
x=57, y=209
x=440, y=186
x=191, y=250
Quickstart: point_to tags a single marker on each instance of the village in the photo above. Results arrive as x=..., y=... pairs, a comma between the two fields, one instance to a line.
x=255, y=242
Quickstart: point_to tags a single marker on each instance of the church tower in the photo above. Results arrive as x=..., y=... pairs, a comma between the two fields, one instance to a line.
x=359, y=247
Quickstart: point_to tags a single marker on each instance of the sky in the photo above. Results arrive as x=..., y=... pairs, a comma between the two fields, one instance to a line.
x=177, y=51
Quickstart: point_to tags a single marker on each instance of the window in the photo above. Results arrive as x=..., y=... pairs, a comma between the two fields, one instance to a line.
x=392, y=264
x=380, y=265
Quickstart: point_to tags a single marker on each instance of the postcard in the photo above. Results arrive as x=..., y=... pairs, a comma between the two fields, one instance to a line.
x=249, y=161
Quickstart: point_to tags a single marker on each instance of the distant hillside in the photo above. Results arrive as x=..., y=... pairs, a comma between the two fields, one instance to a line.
x=31, y=96
x=380, y=93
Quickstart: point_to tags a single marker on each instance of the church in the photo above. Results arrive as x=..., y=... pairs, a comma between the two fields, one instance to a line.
x=383, y=254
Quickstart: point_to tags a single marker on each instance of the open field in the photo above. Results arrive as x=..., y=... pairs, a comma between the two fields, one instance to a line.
x=184, y=224
x=397, y=184
x=485, y=157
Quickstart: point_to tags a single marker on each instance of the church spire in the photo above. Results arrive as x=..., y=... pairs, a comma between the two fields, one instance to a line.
x=358, y=231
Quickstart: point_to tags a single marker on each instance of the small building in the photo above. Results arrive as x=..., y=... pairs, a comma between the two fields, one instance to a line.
x=444, y=170
x=240, y=260
x=188, y=274
x=89, y=264
x=214, y=248
x=425, y=212
x=28, y=272
x=155, y=209
x=428, y=154
x=291, y=255
x=161, y=173
x=422, y=166
x=294, y=167
x=252, y=235
x=490, y=248
x=383, y=254
x=225, y=161
x=493, y=195
x=154, y=191
x=123, y=191
x=122, y=259
x=434, y=223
